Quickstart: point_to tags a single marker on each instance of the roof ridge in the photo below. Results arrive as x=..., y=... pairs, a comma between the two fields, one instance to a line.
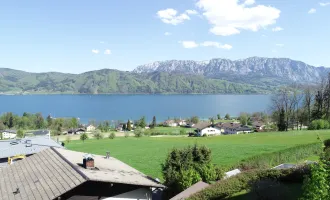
x=70, y=163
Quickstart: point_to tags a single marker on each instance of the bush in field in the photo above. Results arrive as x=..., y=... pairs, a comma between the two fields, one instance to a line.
x=20, y=134
x=183, y=132
x=319, y=124
x=185, y=167
x=83, y=137
x=112, y=135
x=138, y=132
x=97, y=134
x=126, y=134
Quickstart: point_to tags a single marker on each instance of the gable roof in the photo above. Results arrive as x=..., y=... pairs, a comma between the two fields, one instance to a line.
x=26, y=146
x=41, y=176
x=202, y=125
x=190, y=191
x=109, y=170
x=53, y=172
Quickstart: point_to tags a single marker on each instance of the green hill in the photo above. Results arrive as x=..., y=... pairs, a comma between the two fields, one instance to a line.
x=108, y=81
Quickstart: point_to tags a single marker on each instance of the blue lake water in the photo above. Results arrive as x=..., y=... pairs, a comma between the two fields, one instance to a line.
x=123, y=107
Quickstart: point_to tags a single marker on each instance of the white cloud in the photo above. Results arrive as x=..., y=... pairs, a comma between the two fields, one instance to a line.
x=216, y=44
x=102, y=42
x=171, y=16
x=96, y=51
x=280, y=45
x=189, y=44
x=249, y=2
x=191, y=12
x=229, y=17
x=312, y=11
x=107, y=52
x=167, y=33
x=263, y=35
x=193, y=44
x=325, y=4
x=277, y=29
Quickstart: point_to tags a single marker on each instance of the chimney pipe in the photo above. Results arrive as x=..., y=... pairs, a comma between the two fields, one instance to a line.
x=88, y=162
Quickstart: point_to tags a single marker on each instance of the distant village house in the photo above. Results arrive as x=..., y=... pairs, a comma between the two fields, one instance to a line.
x=8, y=134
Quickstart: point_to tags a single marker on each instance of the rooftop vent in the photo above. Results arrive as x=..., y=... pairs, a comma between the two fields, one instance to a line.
x=88, y=161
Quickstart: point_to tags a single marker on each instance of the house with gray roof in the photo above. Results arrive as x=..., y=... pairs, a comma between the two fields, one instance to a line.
x=25, y=147
x=8, y=134
x=56, y=173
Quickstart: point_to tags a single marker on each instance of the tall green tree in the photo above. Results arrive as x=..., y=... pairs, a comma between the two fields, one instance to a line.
x=129, y=125
x=227, y=117
x=39, y=121
x=281, y=124
x=49, y=121
x=154, y=123
x=243, y=118
x=194, y=119
x=142, y=122
x=74, y=122
x=2, y=126
x=218, y=116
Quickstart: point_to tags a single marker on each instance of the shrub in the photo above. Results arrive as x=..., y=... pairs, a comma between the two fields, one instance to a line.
x=83, y=137
x=319, y=124
x=20, y=133
x=266, y=161
x=112, y=135
x=183, y=132
x=138, y=132
x=247, y=180
x=97, y=134
x=185, y=167
x=327, y=143
x=126, y=134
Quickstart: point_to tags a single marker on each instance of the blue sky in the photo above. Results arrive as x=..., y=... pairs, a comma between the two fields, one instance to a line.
x=78, y=36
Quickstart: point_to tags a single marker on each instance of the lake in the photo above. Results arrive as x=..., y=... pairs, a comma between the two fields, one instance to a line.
x=123, y=107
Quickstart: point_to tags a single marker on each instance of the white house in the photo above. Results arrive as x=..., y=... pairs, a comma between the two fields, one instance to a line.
x=206, y=129
x=170, y=123
x=90, y=128
x=8, y=134
x=182, y=123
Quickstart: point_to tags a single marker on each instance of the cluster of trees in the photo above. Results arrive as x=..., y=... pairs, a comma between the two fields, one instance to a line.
x=300, y=105
x=185, y=167
x=29, y=121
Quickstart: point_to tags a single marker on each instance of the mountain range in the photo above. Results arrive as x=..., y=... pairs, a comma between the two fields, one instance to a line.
x=253, y=75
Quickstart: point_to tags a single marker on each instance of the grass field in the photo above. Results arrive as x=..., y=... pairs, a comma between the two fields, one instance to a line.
x=173, y=130
x=146, y=154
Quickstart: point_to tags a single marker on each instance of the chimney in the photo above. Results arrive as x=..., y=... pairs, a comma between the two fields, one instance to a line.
x=88, y=161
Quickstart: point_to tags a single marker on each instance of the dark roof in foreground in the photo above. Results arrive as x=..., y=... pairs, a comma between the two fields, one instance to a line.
x=190, y=191
x=53, y=172
x=26, y=146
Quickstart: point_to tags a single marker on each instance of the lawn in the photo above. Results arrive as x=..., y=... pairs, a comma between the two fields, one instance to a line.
x=172, y=130
x=146, y=154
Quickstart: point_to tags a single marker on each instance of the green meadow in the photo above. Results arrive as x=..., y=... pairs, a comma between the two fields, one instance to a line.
x=148, y=153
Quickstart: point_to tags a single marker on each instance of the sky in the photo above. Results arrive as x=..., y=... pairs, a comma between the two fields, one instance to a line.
x=78, y=36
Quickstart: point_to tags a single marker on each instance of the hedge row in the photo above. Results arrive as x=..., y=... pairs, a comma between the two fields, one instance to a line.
x=245, y=180
x=269, y=160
